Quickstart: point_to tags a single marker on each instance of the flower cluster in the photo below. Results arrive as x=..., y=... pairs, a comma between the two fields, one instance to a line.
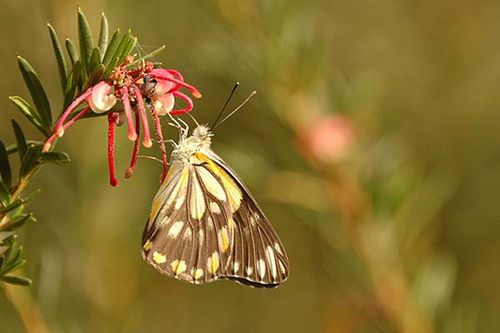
x=125, y=96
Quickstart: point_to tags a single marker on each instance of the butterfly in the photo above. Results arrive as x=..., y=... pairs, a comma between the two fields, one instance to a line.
x=205, y=225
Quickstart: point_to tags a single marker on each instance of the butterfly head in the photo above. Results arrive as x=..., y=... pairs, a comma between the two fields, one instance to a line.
x=202, y=132
x=200, y=139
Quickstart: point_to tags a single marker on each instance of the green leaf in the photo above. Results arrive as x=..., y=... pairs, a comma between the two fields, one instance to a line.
x=12, y=264
x=18, y=222
x=103, y=35
x=96, y=76
x=121, y=51
x=57, y=157
x=30, y=113
x=5, y=171
x=12, y=148
x=95, y=59
x=36, y=90
x=5, y=196
x=8, y=241
x=12, y=206
x=30, y=161
x=128, y=49
x=21, y=140
x=73, y=84
x=70, y=48
x=61, y=62
x=117, y=55
x=85, y=40
x=17, y=280
x=112, y=46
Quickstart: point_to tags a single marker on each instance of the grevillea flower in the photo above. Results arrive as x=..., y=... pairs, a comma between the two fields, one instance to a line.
x=127, y=95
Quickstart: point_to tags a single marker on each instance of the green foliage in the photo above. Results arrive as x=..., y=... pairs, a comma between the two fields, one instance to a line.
x=90, y=65
x=12, y=205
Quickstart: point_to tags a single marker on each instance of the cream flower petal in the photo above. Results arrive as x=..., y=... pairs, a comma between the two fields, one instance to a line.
x=163, y=104
x=102, y=98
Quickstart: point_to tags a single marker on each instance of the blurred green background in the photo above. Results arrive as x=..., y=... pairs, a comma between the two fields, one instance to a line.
x=373, y=145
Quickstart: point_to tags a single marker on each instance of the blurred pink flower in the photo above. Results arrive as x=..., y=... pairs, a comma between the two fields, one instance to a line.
x=329, y=138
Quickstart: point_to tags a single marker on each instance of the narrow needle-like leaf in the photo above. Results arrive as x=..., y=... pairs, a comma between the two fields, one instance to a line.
x=85, y=40
x=61, y=62
x=22, y=147
x=36, y=90
x=103, y=35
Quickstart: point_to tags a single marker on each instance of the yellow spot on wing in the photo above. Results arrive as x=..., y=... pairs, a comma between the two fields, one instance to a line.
x=178, y=266
x=181, y=184
x=214, y=208
x=197, y=204
x=198, y=273
x=261, y=268
x=175, y=229
x=224, y=239
x=230, y=223
x=232, y=189
x=213, y=263
x=271, y=259
x=159, y=258
x=148, y=245
x=211, y=183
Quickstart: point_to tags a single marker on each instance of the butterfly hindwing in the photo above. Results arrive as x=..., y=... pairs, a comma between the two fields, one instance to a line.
x=189, y=234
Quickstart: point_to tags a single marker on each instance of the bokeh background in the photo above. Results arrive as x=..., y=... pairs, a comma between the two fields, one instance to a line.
x=373, y=145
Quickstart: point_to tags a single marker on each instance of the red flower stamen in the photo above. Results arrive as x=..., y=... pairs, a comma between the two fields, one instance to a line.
x=159, y=135
x=132, y=135
x=58, y=129
x=112, y=117
x=135, y=152
x=77, y=117
x=142, y=112
x=188, y=100
x=178, y=76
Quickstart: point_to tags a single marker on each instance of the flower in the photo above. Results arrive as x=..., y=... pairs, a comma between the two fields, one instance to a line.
x=330, y=138
x=137, y=88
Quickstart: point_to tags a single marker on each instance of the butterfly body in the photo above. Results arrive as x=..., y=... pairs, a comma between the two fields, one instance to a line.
x=205, y=225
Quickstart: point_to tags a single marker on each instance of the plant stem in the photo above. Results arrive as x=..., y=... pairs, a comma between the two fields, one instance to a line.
x=29, y=313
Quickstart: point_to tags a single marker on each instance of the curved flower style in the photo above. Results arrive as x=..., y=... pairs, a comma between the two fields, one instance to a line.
x=126, y=94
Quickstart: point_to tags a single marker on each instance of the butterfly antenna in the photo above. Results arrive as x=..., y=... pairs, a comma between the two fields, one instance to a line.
x=194, y=119
x=236, y=84
x=252, y=94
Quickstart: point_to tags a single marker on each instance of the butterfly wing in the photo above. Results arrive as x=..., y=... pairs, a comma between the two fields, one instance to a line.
x=190, y=233
x=258, y=257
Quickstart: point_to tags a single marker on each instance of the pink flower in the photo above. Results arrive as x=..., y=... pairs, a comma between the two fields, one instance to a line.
x=168, y=82
x=132, y=86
